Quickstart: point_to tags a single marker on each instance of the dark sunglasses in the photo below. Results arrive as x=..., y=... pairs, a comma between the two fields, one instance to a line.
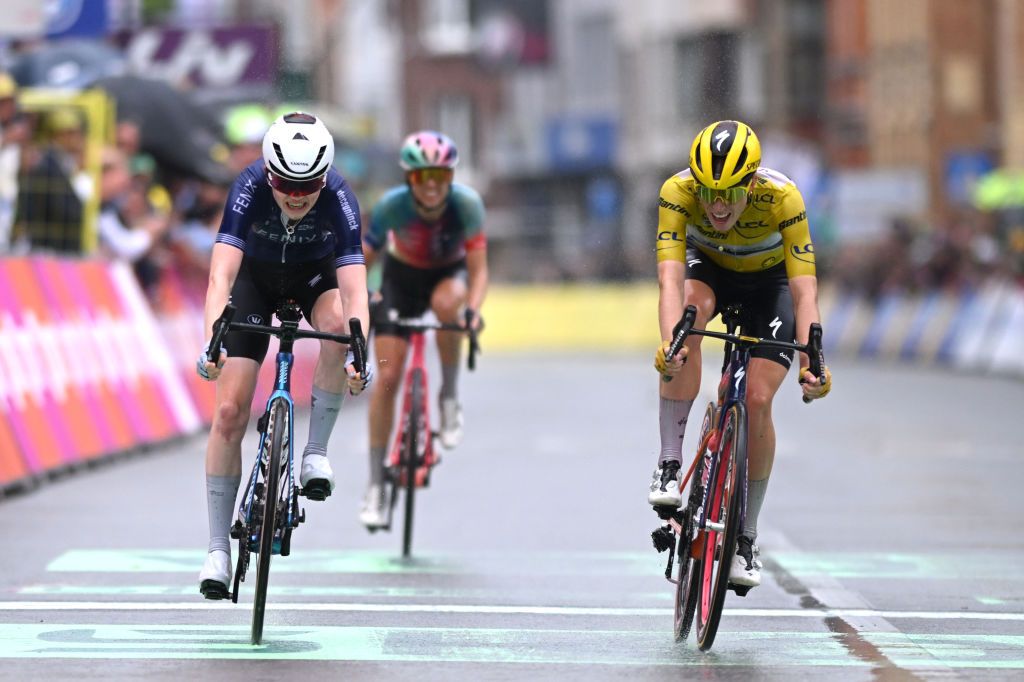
x=422, y=175
x=296, y=188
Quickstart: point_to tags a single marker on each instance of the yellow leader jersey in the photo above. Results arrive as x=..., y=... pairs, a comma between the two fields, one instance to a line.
x=771, y=229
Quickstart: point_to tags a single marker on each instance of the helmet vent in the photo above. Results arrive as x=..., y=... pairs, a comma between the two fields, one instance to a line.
x=300, y=136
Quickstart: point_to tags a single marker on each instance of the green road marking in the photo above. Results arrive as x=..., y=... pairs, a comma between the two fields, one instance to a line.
x=802, y=565
x=504, y=592
x=990, y=601
x=503, y=609
x=493, y=645
x=324, y=561
x=874, y=565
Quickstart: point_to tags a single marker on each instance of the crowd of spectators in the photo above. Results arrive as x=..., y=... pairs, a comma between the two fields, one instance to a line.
x=958, y=256
x=145, y=215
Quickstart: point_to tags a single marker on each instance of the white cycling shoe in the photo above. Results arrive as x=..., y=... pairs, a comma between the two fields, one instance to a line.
x=316, y=477
x=746, y=566
x=373, y=514
x=451, y=423
x=216, y=575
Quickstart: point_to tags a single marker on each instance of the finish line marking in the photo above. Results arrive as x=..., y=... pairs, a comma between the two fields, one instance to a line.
x=206, y=605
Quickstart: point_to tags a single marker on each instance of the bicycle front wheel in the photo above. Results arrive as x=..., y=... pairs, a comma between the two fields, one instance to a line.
x=688, y=579
x=411, y=447
x=273, y=444
x=726, y=498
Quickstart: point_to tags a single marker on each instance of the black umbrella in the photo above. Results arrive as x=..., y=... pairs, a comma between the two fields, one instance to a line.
x=180, y=134
x=66, y=64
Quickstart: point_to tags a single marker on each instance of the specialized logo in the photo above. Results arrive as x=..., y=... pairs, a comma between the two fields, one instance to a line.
x=255, y=319
x=720, y=138
x=740, y=373
x=694, y=262
x=775, y=324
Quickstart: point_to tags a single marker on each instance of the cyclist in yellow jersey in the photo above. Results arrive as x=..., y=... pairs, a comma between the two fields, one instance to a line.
x=730, y=231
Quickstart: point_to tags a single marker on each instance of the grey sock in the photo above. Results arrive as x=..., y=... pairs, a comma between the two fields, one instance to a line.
x=449, y=380
x=324, y=412
x=220, y=508
x=672, y=416
x=377, y=465
x=755, y=498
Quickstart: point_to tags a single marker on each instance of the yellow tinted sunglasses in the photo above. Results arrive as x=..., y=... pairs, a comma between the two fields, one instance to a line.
x=729, y=195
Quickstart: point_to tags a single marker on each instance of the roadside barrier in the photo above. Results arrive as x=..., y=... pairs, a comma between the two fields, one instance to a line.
x=84, y=370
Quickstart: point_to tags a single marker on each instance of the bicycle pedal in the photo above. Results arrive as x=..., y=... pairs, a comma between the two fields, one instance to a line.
x=740, y=590
x=213, y=589
x=317, y=490
x=665, y=511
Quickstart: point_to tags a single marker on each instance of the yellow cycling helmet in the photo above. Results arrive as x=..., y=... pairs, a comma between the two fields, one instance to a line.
x=725, y=155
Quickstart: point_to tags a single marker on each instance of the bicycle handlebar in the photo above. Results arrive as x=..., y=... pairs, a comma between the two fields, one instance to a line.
x=416, y=324
x=683, y=328
x=354, y=339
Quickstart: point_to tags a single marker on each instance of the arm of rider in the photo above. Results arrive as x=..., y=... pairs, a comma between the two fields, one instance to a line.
x=352, y=287
x=224, y=264
x=477, y=273
x=804, y=289
x=671, y=275
x=369, y=255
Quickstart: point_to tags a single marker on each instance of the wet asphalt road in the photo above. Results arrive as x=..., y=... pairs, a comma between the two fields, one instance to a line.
x=890, y=535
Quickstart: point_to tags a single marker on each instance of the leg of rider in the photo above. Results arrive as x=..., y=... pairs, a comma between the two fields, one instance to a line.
x=676, y=399
x=447, y=301
x=329, y=378
x=390, y=352
x=677, y=396
x=235, y=389
x=764, y=379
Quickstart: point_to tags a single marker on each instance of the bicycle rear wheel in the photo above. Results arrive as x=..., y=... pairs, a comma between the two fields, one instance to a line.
x=274, y=444
x=411, y=446
x=726, y=499
x=688, y=578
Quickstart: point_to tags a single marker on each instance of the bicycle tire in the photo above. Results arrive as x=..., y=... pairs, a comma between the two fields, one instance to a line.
x=411, y=447
x=726, y=498
x=688, y=578
x=275, y=440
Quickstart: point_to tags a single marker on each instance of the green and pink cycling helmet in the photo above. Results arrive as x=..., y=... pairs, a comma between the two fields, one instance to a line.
x=428, y=149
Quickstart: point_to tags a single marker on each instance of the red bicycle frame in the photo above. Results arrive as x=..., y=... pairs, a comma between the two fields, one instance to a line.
x=425, y=440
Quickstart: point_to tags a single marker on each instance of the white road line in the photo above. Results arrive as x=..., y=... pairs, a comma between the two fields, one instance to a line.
x=503, y=610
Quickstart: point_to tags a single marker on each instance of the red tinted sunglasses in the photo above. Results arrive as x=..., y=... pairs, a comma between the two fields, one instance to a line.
x=419, y=176
x=296, y=188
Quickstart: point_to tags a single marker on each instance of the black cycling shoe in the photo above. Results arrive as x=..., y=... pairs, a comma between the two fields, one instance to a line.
x=318, y=489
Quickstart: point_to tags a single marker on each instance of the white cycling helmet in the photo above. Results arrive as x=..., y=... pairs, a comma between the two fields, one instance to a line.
x=298, y=147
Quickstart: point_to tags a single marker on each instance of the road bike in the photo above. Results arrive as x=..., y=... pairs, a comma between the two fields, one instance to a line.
x=269, y=510
x=701, y=534
x=413, y=454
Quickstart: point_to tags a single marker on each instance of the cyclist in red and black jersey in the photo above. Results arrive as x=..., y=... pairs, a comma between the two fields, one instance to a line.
x=430, y=232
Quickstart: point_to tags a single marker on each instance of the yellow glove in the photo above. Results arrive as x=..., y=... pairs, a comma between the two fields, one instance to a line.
x=663, y=366
x=813, y=389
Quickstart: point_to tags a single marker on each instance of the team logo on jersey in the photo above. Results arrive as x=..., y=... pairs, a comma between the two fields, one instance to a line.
x=804, y=253
x=255, y=319
x=673, y=207
x=667, y=236
x=794, y=220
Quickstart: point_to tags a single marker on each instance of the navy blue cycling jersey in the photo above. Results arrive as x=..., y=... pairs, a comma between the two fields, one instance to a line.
x=253, y=222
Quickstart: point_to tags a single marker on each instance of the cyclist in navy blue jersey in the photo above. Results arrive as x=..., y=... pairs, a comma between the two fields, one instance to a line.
x=291, y=230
